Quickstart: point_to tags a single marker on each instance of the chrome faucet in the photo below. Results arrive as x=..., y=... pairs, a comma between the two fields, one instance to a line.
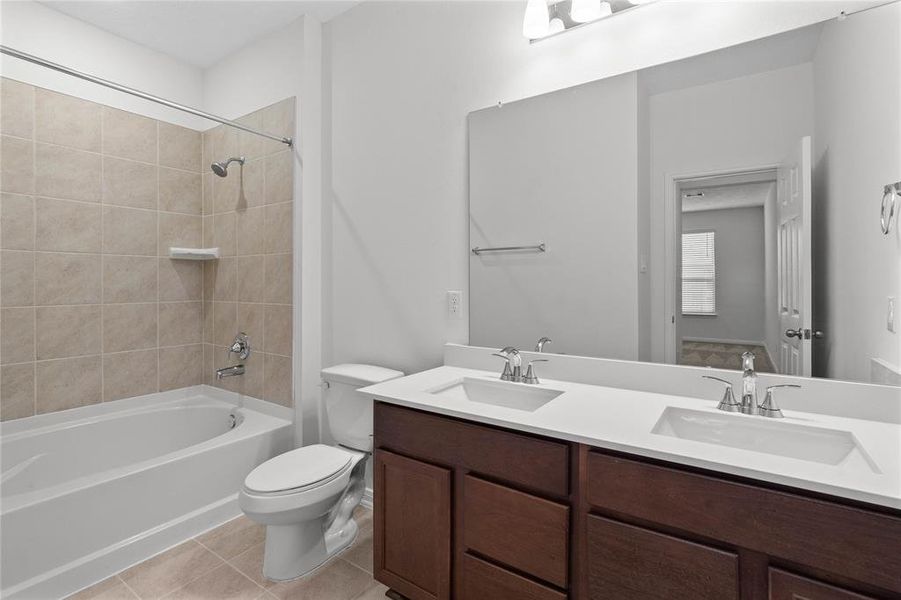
x=539, y=347
x=513, y=367
x=241, y=347
x=749, y=404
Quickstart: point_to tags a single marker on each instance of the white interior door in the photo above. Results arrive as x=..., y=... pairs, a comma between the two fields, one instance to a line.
x=794, y=247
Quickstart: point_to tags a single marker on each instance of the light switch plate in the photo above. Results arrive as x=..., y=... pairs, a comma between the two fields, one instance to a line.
x=890, y=315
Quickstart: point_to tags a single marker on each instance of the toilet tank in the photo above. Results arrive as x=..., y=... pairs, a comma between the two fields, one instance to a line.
x=350, y=412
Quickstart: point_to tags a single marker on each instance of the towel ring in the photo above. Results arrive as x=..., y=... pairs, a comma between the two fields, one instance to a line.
x=889, y=198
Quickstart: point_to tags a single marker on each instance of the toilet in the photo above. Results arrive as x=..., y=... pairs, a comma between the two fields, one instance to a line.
x=306, y=497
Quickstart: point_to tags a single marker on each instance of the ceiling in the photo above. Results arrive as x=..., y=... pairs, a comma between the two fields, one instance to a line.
x=726, y=196
x=197, y=32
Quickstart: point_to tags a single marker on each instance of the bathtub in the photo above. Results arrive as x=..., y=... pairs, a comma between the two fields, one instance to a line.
x=85, y=493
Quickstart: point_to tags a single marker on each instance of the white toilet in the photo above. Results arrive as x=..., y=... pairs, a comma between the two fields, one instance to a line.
x=306, y=497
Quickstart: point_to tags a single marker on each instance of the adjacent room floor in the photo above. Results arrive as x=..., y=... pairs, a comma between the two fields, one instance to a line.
x=226, y=563
x=723, y=356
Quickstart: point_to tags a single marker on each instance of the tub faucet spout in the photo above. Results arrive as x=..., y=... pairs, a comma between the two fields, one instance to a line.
x=230, y=371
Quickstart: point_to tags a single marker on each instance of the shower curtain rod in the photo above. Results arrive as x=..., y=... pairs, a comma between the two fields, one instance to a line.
x=121, y=88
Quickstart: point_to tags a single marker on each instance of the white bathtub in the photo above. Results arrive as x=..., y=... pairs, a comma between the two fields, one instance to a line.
x=87, y=492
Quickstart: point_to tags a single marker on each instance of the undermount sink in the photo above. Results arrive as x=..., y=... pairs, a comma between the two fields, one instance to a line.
x=802, y=442
x=518, y=396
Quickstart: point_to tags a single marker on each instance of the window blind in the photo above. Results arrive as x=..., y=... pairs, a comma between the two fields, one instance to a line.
x=698, y=273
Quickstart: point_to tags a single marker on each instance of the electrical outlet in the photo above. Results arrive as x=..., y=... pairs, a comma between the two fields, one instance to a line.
x=455, y=304
x=890, y=316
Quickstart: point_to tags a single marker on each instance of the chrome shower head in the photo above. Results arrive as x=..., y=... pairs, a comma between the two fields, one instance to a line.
x=221, y=168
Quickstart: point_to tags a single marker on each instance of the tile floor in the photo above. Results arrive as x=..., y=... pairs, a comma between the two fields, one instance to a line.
x=723, y=356
x=226, y=564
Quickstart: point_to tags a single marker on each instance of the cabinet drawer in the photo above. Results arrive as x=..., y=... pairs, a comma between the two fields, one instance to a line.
x=529, y=462
x=785, y=586
x=483, y=580
x=835, y=538
x=522, y=531
x=631, y=563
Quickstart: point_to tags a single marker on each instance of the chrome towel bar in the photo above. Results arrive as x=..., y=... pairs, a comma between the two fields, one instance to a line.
x=539, y=247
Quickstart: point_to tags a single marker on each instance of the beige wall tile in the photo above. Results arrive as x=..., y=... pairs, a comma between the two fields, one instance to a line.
x=278, y=119
x=225, y=323
x=180, y=147
x=128, y=374
x=180, y=280
x=252, y=191
x=277, y=380
x=129, y=183
x=250, y=227
x=16, y=391
x=206, y=141
x=227, y=190
x=67, y=279
x=209, y=352
x=67, y=226
x=16, y=278
x=129, y=231
x=224, y=142
x=251, y=279
x=278, y=332
x=66, y=331
x=208, y=323
x=207, y=185
x=251, y=145
x=250, y=321
x=67, y=383
x=279, y=227
x=278, y=279
x=16, y=222
x=129, y=327
x=66, y=120
x=225, y=279
x=16, y=165
x=208, y=232
x=67, y=173
x=179, y=230
x=224, y=233
x=16, y=335
x=181, y=367
x=170, y=570
x=128, y=135
x=130, y=279
x=279, y=177
x=180, y=191
x=181, y=323
x=16, y=108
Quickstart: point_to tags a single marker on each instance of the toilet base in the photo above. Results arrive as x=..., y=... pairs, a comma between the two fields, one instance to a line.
x=293, y=551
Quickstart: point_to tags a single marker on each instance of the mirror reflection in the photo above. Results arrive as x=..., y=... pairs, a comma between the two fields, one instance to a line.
x=698, y=210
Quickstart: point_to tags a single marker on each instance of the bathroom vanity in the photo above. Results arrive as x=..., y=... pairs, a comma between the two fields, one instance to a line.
x=471, y=508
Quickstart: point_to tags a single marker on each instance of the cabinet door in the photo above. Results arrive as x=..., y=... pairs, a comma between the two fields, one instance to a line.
x=785, y=586
x=412, y=543
x=632, y=563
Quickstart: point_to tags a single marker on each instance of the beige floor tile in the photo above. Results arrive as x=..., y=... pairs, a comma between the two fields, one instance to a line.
x=109, y=589
x=222, y=583
x=376, y=591
x=234, y=537
x=337, y=580
x=360, y=552
x=250, y=562
x=166, y=572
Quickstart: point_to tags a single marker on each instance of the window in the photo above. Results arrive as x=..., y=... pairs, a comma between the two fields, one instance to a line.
x=698, y=273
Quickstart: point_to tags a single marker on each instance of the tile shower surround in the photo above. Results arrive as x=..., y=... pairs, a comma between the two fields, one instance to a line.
x=91, y=307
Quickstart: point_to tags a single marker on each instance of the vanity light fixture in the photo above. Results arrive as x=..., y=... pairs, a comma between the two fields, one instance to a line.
x=545, y=18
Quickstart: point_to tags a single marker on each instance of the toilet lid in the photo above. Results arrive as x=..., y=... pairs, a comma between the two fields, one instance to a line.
x=298, y=468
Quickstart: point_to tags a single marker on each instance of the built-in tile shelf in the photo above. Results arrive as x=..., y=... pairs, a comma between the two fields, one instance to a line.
x=194, y=253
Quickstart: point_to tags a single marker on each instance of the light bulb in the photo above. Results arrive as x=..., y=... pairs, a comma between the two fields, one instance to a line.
x=535, y=23
x=583, y=11
x=556, y=26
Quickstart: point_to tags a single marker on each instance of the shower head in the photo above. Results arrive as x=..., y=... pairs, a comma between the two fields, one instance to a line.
x=221, y=168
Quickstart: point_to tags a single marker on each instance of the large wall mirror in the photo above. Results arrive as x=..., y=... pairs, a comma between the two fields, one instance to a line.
x=696, y=210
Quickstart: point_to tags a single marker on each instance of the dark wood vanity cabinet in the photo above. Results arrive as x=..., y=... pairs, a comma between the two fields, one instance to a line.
x=473, y=512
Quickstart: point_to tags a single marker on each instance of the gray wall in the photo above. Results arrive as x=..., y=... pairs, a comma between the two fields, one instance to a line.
x=740, y=275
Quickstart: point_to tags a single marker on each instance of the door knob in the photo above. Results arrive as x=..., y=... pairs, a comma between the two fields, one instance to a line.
x=798, y=333
x=804, y=334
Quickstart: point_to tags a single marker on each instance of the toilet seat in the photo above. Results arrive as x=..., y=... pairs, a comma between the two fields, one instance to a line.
x=298, y=470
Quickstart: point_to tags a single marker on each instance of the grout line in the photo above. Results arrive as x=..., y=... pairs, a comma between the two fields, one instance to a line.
x=34, y=245
x=128, y=587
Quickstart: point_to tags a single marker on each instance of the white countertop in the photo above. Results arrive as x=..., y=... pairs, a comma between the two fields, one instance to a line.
x=622, y=420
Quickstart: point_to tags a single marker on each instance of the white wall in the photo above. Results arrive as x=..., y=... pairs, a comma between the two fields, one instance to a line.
x=740, y=123
x=279, y=65
x=857, y=150
x=561, y=169
x=740, y=275
x=30, y=27
x=401, y=78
